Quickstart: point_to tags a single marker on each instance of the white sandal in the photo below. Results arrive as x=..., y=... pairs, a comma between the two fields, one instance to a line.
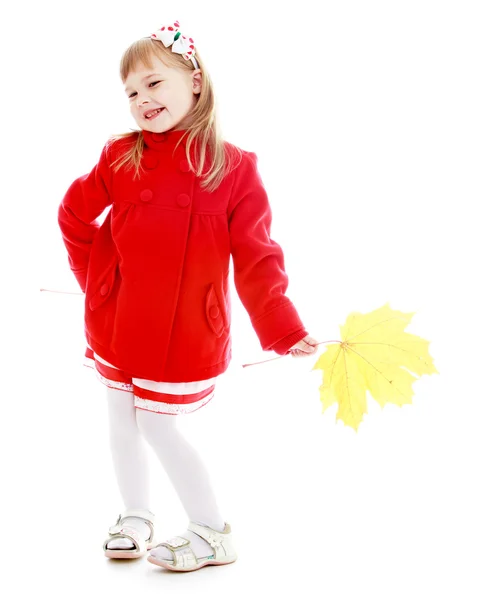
x=184, y=558
x=123, y=531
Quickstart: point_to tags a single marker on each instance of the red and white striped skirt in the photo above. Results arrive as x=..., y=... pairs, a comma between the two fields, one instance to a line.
x=155, y=396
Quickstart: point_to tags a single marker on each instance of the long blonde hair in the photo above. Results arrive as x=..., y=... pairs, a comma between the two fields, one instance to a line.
x=204, y=128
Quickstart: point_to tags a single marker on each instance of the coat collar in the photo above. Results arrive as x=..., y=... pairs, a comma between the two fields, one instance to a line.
x=164, y=141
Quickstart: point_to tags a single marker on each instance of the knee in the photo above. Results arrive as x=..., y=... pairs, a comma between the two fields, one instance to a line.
x=155, y=426
x=122, y=432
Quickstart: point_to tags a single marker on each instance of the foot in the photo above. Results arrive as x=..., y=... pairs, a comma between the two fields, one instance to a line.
x=186, y=553
x=125, y=543
x=200, y=547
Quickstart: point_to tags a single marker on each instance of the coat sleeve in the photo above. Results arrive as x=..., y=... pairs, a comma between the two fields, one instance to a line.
x=84, y=201
x=259, y=265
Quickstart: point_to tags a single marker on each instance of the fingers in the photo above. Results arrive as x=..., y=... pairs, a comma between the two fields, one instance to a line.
x=305, y=347
x=308, y=348
x=304, y=350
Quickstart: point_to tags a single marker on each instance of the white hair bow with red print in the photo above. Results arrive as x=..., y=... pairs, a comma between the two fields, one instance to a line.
x=170, y=34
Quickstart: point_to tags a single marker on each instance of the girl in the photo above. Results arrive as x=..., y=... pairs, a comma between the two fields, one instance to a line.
x=155, y=277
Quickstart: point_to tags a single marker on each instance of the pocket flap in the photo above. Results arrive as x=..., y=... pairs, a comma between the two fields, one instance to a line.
x=214, y=312
x=104, y=288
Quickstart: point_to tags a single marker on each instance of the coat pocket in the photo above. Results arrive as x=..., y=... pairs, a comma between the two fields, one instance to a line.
x=103, y=287
x=214, y=313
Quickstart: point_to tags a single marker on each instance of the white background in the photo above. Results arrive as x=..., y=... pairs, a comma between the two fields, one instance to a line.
x=364, y=116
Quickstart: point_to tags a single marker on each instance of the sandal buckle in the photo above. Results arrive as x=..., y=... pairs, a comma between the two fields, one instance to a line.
x=215, y=541
x=177, y=542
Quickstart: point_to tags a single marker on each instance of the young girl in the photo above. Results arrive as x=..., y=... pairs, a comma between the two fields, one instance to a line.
x=155, y=277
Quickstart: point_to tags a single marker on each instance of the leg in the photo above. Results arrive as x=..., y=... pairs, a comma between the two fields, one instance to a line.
x=186, y=472
x=129, y=460
x=128, y=450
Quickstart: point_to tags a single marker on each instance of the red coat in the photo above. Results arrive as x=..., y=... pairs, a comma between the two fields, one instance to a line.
x=155, y=272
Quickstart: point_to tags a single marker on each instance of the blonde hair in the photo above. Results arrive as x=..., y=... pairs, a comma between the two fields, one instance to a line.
x=203, y=129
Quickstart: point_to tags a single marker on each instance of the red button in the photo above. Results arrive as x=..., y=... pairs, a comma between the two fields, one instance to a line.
x=214, y=312
x=183, y=200
x=184, y=166
x=158, y=137
x=146, y=195
x=104, y=289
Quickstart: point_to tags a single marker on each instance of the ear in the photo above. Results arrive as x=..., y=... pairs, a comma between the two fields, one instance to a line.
x=196, y=81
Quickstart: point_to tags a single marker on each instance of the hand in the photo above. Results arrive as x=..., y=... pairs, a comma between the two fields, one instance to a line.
x=305, y=347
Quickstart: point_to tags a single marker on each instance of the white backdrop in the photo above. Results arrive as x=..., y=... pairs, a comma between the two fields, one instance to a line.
x=364, y=117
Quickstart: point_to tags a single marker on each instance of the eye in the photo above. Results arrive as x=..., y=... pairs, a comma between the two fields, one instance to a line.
x=151, y=83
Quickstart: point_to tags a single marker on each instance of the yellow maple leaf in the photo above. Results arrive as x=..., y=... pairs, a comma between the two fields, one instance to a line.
x=374, y=355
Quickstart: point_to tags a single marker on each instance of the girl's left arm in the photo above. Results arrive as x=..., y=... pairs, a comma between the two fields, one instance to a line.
x=259, y=264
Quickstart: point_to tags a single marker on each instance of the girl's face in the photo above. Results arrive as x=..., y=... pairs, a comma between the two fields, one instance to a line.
x=171, y=90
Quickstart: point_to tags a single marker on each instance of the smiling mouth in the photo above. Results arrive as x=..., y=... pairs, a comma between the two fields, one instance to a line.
x=153, y=114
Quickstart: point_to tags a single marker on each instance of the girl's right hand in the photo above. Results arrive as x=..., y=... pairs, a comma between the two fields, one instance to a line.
x=305, y=347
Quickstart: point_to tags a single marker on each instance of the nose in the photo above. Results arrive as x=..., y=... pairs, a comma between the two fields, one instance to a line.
x=141, y=100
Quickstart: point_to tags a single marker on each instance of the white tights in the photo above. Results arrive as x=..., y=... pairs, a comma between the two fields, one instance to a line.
x=129, y=427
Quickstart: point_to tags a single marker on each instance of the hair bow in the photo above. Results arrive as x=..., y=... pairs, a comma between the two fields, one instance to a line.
x=170, y=34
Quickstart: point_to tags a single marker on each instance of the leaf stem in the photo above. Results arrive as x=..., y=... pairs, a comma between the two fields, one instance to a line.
x=284, y=355
x=60, y=292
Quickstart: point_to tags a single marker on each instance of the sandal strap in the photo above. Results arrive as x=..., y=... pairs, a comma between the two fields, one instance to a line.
x=175, y=543
x=119, y=531
x=147, y=516
x=220, y=541
x=183, y=555
x=143, y=513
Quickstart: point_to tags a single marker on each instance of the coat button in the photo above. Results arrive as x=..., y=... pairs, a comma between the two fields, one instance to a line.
x=158, y=137
x=214, y=311
x=150, y=162
x=104, y=289
x=183, y=200
x=184, y=166
x=146, y=195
